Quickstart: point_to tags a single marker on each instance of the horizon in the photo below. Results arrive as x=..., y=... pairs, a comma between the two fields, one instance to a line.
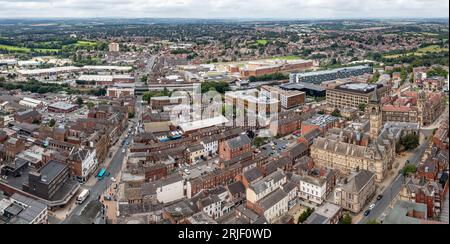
x=226, y=9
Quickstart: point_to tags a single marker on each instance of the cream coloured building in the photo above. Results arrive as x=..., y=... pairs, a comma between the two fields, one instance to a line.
x=274, y=205
x=265, y=186
x=358, y=192
x=347, y=158
x=313, y=189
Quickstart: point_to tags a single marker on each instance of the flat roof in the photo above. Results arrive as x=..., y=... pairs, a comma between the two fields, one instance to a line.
x=358, y=87
x=302, y=85
x=103, y=67
x=199, y=124
x=62, y=105
x=331, y=71
x=51, y=170
x=49, y=70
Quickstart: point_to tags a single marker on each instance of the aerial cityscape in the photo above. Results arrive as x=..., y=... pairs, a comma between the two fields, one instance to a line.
x=224, y=112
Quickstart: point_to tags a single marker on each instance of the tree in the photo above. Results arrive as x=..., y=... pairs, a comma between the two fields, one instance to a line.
x=166, y=92
x=52, y=123
x=305, y=215
x=80, y=101
x=410, y=142
x=362, y=107
x=408, y=170
x=403, y=76
x=346, y=220
x=336, y=113
x=259, y=141
x=144, y=78
x=375, y=77
x=36, y=121
x=2, y=79
x=130, y=115
x=373, y=222
x=90, y=105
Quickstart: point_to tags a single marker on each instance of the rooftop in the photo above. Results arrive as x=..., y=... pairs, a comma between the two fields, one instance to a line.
x=51, y=170
x=363, y=88
x=62, y=105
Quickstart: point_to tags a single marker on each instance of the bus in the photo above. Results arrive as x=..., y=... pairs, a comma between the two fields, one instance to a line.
x=101, y=174
x=83, y=196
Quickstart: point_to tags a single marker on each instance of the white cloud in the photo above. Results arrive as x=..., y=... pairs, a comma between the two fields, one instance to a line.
x=297, y=9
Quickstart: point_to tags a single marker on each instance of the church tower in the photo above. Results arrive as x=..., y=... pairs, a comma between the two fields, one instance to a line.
x=376, y=121
x=421, y=107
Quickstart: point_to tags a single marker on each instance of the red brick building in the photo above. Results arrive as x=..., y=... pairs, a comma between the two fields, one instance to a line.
x=234, y=147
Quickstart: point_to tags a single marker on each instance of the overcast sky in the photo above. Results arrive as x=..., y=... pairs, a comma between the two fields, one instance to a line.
x=292, y=9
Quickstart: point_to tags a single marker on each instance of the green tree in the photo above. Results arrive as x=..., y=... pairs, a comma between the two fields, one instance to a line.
x=144, y=78
x=408, y=170
x=52, y=123
x=410, y=142
x=336, y=113
x=305, y=215
x=375, y=77
x=2, y=79
x=130, y=115
x=259, y=141
x=346, y=220
x=373, y=222
x=90, y=105
x=80, y=101
x=36, y=121
x=147, y=96
x=362, y=107
x=437, y=71
x=403, y=76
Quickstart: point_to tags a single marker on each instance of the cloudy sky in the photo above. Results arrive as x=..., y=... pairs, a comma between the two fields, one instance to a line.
x=292, y=9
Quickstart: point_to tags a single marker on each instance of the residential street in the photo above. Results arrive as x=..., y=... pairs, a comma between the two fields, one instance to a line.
x=391, y=192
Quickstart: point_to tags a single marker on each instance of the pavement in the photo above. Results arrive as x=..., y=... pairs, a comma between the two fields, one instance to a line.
x=444, y=213
x=392, y=190
x=113, y=165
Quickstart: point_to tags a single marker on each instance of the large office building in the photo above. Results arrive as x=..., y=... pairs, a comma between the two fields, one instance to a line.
x=327, y=75
x=288, y=99
x=309, y=88
x=352, y=94
x=48, y=180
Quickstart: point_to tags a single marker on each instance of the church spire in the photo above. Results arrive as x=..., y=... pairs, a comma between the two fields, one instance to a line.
x=375, y=99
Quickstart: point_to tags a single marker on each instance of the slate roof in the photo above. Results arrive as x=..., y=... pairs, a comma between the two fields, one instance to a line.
x=357, y=183
x=272, y=199
x=236, y=188
x=239, y=141
x=297, y=150
x=252, y=174
x=261, y=185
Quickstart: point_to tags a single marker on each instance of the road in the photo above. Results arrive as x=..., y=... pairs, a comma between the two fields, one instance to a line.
x=390, y=193
x=113, y=168
x=98, y=189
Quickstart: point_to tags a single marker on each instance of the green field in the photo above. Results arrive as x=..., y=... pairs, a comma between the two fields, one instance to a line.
x=420, y=52
x=25, y=49
x=262, y=42
x=45, y=50
x=291, y=57
x=14, y=48
x=86, y=44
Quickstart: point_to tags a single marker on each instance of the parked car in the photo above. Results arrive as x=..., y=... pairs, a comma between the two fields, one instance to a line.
x=371, y=207
x=379, y=197
x=366, y=213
